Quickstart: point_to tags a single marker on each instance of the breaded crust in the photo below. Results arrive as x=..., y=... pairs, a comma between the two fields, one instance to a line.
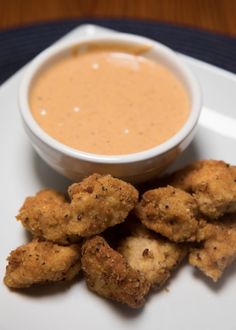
x=151, y=254
x=213, y=185
x=98, y=202
x=46, y=215
x=108, y=274
x=170, y=212
x=218, y=250
x=40, y=262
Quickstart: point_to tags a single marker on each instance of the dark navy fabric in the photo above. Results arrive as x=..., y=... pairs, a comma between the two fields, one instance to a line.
x=18, y=46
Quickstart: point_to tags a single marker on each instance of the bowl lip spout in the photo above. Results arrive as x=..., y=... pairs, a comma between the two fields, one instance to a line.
x=156, y=47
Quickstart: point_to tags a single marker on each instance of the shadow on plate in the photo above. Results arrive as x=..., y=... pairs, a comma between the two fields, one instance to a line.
x=216, y=287
x=123, y=310
x=27, y=236
x=50, y=289
x=47, y=176
x=118, y=308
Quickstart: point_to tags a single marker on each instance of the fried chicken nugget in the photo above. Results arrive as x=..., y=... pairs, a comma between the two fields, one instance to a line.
x=212, y=183
x=98, y=202
x=218, y=249
x=151, y=254
x=46, y=215
x=41, y=262
x=108, y=274
x=170, y=212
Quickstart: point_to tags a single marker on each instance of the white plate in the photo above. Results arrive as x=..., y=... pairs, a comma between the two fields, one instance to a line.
x=192, y=302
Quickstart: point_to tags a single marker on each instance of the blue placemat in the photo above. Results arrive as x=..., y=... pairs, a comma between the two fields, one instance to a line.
x=18, y=46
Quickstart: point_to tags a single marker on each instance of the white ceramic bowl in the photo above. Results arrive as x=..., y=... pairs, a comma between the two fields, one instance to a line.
x=135, y=167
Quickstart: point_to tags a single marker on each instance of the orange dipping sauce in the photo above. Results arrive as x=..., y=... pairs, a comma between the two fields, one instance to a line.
x=109, y=102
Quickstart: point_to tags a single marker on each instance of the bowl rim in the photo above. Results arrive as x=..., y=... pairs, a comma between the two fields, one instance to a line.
x=150, y=153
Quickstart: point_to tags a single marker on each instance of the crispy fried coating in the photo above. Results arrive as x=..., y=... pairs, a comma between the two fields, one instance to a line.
x=46, y=215
x=213, y=185
x=108, y=274
x=170, y=212
x=98, y=202
x=41, y=262
x=218, y=250
x=151, y=254
x=233, y=171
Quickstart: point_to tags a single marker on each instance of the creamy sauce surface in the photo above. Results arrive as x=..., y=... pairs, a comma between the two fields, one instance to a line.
x=109, y=102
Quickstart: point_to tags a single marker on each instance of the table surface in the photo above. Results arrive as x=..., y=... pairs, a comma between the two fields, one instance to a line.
x=212, y=15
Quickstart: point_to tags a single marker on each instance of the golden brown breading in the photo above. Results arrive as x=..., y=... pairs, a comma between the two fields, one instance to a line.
x=151, y=254
x=218, y=250
x=40, y=262
x=233, y=171
x=213, y=184
x=109, y=275
x=170, y=212
x=46, y=215
x=98, y=202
